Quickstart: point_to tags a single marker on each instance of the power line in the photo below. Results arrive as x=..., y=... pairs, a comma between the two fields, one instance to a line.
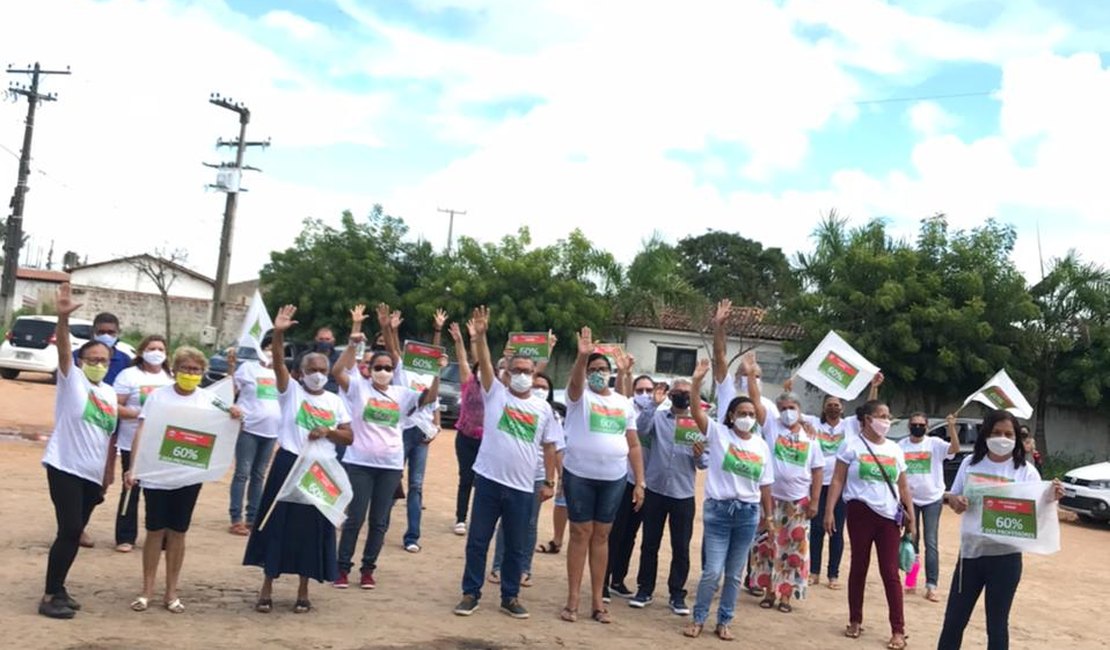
x=921, y=98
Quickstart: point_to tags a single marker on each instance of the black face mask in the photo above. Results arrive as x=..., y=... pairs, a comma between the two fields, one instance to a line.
x=324, y=348
x=680, y=401
x=917, y=430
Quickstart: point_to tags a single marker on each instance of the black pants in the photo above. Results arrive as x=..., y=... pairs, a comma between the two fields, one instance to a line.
x=678, y=514
x=466, y=451
x=622, y=538
x=74, y=499
x=999, y=575
x=127, y=525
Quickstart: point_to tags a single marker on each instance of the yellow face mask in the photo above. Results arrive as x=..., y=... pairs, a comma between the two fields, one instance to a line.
x=186, y=382
x=94, y=373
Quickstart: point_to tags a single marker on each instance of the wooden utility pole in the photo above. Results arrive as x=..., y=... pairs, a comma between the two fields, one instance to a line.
x=13, y=235
x=451, y=225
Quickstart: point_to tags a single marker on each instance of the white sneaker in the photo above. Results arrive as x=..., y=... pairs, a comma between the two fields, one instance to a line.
x=412, y=548
x=460, y=528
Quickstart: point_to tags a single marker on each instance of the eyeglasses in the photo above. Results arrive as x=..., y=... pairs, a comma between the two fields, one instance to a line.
x=519, y=371
x=190, y=370
x=95, y=362
x=381, y=368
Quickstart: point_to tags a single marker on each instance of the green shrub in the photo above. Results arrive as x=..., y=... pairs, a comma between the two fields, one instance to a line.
x=1056, y=465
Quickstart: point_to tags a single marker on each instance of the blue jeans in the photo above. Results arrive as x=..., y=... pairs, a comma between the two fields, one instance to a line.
x=931, y=515
x=416, y=455
x=817, y=537
x=252, y=457
x=728, y=530
x=530, y=542
x=493, y=501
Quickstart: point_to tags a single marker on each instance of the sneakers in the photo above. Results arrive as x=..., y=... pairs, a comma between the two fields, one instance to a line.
x=621, y=590
x=56, y=608
x=513, y=608
x=678, y=606
x=341, y=582
x=460, y=528
x=412, y=547
x=68, y=600
x=366, y=581
x=606, y=597
x=467, y=606
x=640, y=600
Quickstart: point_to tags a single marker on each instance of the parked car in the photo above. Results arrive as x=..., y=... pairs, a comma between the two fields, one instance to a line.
x=966, y=428
x=29, y=345
x=449, y=390
x=1087, y=492
x=217, y=363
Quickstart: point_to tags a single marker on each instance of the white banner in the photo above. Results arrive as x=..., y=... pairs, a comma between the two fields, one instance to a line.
x=1002, y=393
x=836, y=368
x=255, y=325
x=185, y=445
x=318, y=479
x=1010, y=518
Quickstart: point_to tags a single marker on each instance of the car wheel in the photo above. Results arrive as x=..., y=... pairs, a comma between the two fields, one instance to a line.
x=8, y=373
x=54, y=377
x=1088, y=519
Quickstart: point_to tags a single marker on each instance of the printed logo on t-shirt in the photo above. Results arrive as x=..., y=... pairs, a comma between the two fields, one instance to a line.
x=309, y=417
x=686, y=432
x=830, y=442
x=266, y=388
x=790, y=451
x=869, y=467
x=145, y=391
x=919, y=462
x=976, y=478
x=382, y=411
x=607, y=420
x=518, y=423
x=742, y=462
x=100, y=413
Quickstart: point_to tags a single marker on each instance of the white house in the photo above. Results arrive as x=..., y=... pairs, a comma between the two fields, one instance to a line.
x=36, y=288
x=122, y=275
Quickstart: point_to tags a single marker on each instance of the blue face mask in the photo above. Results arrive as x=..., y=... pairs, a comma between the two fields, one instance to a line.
x=598, y=380
x=106, y=339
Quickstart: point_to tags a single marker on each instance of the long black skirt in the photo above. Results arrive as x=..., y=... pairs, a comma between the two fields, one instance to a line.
x=296, y=539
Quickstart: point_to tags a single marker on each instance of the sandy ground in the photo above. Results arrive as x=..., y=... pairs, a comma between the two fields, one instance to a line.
x=412, y=606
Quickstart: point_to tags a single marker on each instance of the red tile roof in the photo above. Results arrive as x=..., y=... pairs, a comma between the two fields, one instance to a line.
x=42, y=275
x=744, y=322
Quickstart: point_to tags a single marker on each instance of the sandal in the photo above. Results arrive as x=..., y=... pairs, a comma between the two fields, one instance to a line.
x=893, y=645
x=302, y=607
x=931, y=596
x=601, y=616
x=526, y=580
x=494, y=577
x=693, y=630
x=124, y=548
x=853, y=630
x=569, y=615
x=723, y=633
x=175, y=606
x=550, y=548
x=767, y=603
x=833, y=584
x=785, y=607
x=264, y=605
x=140, y=604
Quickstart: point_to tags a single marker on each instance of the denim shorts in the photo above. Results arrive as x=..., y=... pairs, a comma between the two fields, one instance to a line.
x=592, y=500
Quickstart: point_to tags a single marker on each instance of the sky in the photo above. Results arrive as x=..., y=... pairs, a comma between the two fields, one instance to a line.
x=619, y=118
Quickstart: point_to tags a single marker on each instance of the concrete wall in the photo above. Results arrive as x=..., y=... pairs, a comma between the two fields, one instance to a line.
x=122, y=276
x=42, y=292
x=145, y=312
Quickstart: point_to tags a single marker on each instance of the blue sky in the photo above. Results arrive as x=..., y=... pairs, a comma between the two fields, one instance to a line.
x=620, y=118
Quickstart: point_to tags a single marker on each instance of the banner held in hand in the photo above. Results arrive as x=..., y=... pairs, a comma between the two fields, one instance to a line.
x=184, y=445
x=1002, y=393
x=255, y=325
x=534, y=345
x=836, y=368
x=316, y=479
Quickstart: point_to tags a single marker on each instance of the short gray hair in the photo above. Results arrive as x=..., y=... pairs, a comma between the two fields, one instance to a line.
x=683, y=381
x=311, y=355
x=787, y=396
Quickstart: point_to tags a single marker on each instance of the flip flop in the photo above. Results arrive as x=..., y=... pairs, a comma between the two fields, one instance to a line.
x=932, y=596
x=834, y=585
x=264, y=605
x=767, y=603
x=550, y=548
x=302, y=607
x=785, y=607
x=723, y=633
x=891, y=645
x=140, y=604
x=693, y=630
x=124, y=548
x=601, y=616
x=494, y=577
x=569, y=615
x=175, y=606
x=853, y=634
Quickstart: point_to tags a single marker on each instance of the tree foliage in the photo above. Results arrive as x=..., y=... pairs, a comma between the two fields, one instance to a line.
x=726, y=265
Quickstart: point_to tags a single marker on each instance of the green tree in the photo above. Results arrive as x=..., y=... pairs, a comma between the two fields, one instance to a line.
x=655, y=282
x=725, y=265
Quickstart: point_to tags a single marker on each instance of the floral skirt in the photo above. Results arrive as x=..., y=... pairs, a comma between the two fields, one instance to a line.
x=782, y=560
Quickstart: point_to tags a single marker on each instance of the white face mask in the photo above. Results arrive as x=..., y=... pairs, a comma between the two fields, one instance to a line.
x=154, y=357
x=744, y=424
x=520, y=383
x=642, y=401
x=743, y=384
x=1000, y=445
x=266, y=357
x=789, y=416
x=382, y=377
x=540, y=393
x=315, y=381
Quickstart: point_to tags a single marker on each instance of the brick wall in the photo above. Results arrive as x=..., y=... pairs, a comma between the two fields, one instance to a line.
x=146, y=313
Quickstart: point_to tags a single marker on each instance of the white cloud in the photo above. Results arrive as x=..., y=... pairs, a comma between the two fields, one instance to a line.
x=929, y=118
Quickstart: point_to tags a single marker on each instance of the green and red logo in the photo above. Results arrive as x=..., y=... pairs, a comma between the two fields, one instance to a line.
x=790, y=451
x=919, y=462
x=837, y=369
x=744, y=463
x=309, y=417
x=382, y=411
x=607, y=420
x=998, y=398
x=534, y=345
x=144, y=392
x=976, y=478
x=266, y=388
x=318, y=484
x=686, y=432
x=421, y=358
x=186, y=447
x=519, y=424
x=830, y=442
x=100, y=413
x=1008, y=517
x=869, y=467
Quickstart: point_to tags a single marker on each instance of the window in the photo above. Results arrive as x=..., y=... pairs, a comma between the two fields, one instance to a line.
x=675, y=361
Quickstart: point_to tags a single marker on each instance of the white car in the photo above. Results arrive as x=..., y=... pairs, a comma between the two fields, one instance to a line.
x=29, y=344
x=1087, y=492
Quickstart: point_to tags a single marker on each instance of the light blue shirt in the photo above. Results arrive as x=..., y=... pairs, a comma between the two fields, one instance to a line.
x=672, y=467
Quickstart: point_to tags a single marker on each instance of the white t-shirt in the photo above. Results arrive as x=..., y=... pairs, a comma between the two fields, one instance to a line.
x=301, y=412
x=865, y=482
x=199, y=398
x=795, y=458
x=134, y=385
x=738, y=468
x=379, y=437
x=84, y=421
x=513, y=433
x=988, y=472
x=727, y=391
x=258, y=397
x=560, y=444
x=831, y=439
x=595, y=429
x=925, y=468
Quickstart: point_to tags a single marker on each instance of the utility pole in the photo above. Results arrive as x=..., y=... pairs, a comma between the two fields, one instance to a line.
x=13, y=236
x=451, y=225
x=229, y=183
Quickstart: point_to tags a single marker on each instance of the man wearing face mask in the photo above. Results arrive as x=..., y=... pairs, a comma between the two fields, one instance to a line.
x=925, y=458
x=325, y=345
x=676, y=451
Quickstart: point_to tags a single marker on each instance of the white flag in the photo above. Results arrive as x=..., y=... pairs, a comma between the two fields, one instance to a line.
x=223, y=389
x=837, y=369
x=318, y=479
x=1010, y=518
x=184, y=445
x=255, y=325
x=1001, y=393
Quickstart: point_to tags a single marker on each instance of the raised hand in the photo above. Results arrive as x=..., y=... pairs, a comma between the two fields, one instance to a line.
x=659, y=394
x=383, y=315
x=284, y=319
x=440, y=318
x=878, y=379
x=456, y=333
x=358, y=314
x=64, y=303
x=622, y=360
x=480, y=320
x=585, y=342
x=724, y=308
x=788, y=385
x=551, y=340
x=395, y=320
x=470, y=327
x=701, y=370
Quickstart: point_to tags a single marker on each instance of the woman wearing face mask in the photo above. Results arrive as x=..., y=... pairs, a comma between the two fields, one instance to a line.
x=146, y=373
x=997, y=458
x=601, y=441
x=297, y=537
x=76, y=457
x=925, y=474
x=169, y=511
x=376, y=458
x=256, y=387
x=869, y=471
x=1029, y=442
x=737, y=489
x=782, y=559
x=727, y=388
x=468, y=428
